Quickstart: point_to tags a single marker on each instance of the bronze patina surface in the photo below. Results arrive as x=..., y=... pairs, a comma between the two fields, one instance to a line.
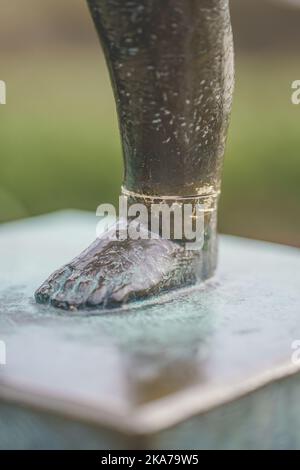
x=212, y=367
x=171, y=67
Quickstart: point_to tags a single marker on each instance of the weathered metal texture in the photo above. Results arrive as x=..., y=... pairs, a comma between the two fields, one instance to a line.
x=171, y=67
x=113, y=271
x=185, y=371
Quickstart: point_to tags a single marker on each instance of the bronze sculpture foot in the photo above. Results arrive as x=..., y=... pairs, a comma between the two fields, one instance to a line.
x=171, y=67
x=111, y=272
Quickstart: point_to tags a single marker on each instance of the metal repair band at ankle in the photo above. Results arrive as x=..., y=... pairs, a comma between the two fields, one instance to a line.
x=209, y=201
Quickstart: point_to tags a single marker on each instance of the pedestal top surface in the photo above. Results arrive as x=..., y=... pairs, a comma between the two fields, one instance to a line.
x=151, y=364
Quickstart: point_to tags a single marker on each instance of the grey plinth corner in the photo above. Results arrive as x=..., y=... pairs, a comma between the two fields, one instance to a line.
x=209, y=367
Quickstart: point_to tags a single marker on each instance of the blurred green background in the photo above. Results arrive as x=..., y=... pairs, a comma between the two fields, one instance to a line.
x=59, y=140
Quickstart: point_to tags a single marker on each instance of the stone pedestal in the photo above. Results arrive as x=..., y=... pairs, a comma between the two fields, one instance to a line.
x=208, y=367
